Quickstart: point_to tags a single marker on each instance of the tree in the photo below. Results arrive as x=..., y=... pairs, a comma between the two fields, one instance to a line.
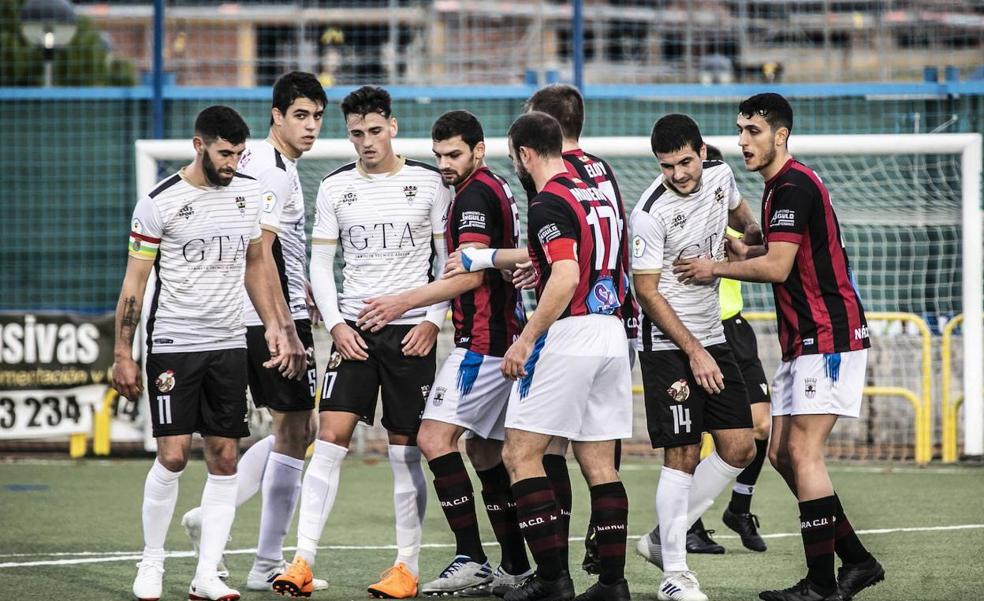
x=85, y=61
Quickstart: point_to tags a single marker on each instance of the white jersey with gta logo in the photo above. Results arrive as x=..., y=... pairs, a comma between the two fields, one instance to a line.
x=197, y=238
x=665, y=227
x=282, y=214
x=386, y=226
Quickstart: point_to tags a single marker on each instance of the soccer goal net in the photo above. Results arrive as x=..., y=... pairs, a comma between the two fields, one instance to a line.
x=909, y=206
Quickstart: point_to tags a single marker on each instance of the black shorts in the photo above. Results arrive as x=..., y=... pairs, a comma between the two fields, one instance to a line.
x=741, y=337
x=201, y=392
x=678, y=410
x=267, y=386
x=353, y=386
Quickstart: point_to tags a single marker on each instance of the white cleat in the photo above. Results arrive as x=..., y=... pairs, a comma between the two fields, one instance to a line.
x=503, y=581
x=191, y=521
x=149, y=582
x=462, y=578
x=648, y=546
x=262, y=580
x=211, y=589
x=680, y=586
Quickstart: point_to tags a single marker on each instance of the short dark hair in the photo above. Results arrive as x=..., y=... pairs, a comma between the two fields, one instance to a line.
x=774, y=108
x=539, y=132
x=221, y=122
x=458, y=123
x=673, y=132
x=562, y=102
x=713, y=153
x=367, y=100
x=294, y=85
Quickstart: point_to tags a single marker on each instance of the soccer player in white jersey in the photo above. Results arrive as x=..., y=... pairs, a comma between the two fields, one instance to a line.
x=199, y=231
x=691, y=379
x=387, y=213
x=470, y=394
x=275, y=462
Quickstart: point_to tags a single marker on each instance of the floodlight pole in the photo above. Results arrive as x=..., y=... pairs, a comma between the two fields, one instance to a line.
x=577, y=35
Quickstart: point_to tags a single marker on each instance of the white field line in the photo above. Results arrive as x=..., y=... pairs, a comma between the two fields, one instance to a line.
x=84, y=557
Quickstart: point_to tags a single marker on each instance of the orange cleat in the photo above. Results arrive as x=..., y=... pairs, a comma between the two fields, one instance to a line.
x=296, y=581
x=397, y=582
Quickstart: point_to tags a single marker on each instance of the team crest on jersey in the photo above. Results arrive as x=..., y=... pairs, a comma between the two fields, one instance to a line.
x=719, y=194
x=165, y=381
x=425, y=391
x=679, y=220
x=411, y=193
x=439, y=393
x=335, y=360
x=186, y=212
x=350, y=196
x=241, y=203
x=810, y=388
x=679, y=391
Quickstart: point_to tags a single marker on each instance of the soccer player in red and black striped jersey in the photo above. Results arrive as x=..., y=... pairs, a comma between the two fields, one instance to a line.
x=824, y=339
x=565, y=104
x=469, y=393
x=571, y=362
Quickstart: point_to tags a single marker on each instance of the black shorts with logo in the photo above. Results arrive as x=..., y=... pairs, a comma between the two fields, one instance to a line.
x=741, y=337
x=203, y=391
x=678, y=410
x=267, y=386
x=353, y=386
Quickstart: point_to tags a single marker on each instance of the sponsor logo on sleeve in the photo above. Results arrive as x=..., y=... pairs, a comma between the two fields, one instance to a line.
x=269, y=202
x=136, y=227
x=473, y=219
x=548, y=232
x=783, y=218
x=638, y=246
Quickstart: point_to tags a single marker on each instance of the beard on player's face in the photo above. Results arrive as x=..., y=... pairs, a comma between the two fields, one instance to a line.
x=216, y=177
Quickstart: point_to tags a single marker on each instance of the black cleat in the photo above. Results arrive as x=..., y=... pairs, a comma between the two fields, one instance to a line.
x=700, y=541
x=599, y=591
x=804, y=590
x=538, y=589
x=852, y=578
x=746, y=525
x=591, y=562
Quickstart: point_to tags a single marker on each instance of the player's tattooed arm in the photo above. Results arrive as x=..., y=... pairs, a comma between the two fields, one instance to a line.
x=126, y=373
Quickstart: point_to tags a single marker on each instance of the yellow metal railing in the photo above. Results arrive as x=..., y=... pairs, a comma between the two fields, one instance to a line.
x=922, y=404
x=949, y=406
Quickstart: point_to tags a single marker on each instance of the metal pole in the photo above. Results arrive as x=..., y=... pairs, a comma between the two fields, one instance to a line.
x=49, y=77
x=158, y=73
x=577, y=32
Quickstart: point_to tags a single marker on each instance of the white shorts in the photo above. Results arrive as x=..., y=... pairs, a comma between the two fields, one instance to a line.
x=820, y=384
x=578, y=383
x=470, y=391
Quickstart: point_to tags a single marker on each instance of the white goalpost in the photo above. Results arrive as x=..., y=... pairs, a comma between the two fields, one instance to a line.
x=910, y=205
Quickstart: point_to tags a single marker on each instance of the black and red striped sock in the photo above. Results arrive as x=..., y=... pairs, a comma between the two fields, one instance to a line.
x=501, y=508
x=610, y=516
x=817, y=527
x=539, y=516
x=454, y=490
x=560, y=480
x=847, y=544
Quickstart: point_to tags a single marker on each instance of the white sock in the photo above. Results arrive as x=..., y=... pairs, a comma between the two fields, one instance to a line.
x=218, y=513
x=744, y=489
x=281, y=489
x=318, y=492
x=671, y=507
x=409, y=503
x=250, y=469
x=711, y=477
x=159, y=498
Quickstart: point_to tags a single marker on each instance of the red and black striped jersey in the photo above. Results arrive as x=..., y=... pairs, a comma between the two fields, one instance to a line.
x=570, y=219
x=489, y=318
x=597, y=172
x=818, y=306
